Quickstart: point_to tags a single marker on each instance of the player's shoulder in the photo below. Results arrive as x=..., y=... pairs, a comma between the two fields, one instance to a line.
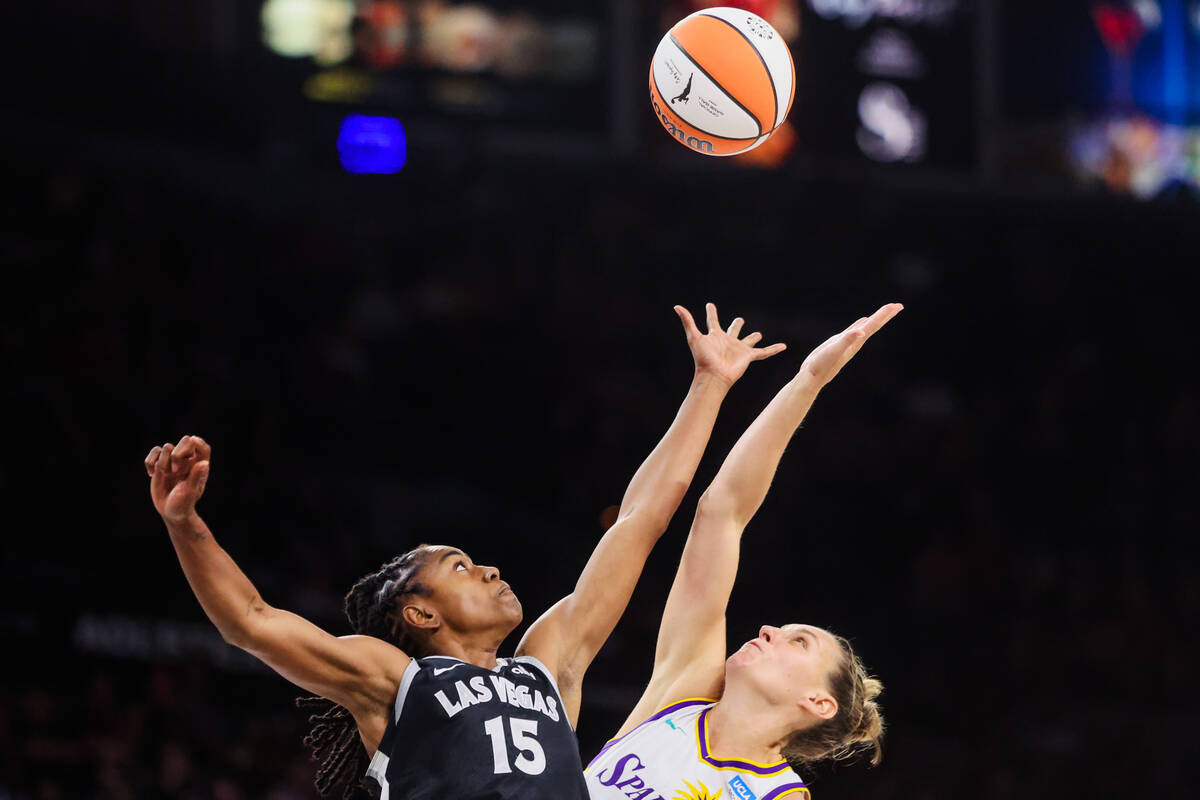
x=677, y=715
x=374, y=642
x=681, y=710
x=376, y=647
x=530, y=667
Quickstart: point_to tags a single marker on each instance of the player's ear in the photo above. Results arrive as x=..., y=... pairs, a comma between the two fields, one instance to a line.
x=820, y=704
x=420, y=616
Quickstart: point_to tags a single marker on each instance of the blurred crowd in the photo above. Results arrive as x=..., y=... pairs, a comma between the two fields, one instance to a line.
x=992, y=502
x=106, y=731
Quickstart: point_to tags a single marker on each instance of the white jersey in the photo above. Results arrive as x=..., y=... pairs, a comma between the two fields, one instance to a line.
x=667, y=758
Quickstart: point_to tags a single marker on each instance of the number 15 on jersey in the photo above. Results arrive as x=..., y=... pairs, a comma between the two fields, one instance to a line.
x=531, y=758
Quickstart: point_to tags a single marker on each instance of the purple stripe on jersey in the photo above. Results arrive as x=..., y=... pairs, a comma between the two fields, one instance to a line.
x=787, y=787
x=702, y=736
x=657, y=715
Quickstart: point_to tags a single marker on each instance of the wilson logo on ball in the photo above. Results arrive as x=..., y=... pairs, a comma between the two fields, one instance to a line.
x=694, y=142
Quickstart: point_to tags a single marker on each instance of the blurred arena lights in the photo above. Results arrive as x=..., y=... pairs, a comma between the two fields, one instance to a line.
x=371, y=145
x=1138, y=155
x=908, y=69
x=857, y=13
x=1148, y=12
x=891, y=128
x=317, y=28
x=891, y=53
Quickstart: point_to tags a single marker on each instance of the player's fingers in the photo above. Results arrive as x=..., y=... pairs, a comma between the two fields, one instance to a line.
x=767, y=352
x=854, y=341
x=162, y=467
x=184, y=450
x=198, y=477
x=753, y=339
x=203, y=449
x=160, y=479
x=714, y=324
x=735, y=327
x=858, y=334
x=689, y=324
x=881, y=317
x=151, y=460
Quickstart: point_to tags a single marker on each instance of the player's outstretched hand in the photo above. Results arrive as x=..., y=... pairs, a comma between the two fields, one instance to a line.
x=722, y=352
x=827, y=360
x=178, y=473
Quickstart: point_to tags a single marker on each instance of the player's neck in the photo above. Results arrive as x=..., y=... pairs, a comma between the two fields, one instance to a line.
x=481, y=653
x=741, y=730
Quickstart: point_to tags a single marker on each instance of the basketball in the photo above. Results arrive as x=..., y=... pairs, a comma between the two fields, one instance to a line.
x=721, y=81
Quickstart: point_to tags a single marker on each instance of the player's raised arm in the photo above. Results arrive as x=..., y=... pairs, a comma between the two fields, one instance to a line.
x=567, y=637
x=690, y=654
x=358, y=672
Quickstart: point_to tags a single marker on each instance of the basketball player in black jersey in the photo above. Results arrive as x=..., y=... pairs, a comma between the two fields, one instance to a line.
x=420, y=688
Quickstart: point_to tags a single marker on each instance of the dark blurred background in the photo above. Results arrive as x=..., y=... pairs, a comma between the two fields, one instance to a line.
x=478, y=348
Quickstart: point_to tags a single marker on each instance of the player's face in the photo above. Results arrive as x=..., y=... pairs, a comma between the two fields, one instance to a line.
x=469, y=597
x=789, y=665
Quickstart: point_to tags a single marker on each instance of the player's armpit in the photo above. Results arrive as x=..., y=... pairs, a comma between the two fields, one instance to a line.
x=361, y=673
x=544, y=641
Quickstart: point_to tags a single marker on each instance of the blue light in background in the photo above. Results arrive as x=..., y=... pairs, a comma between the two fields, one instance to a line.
x=371, y=145
x=1175, y=77
x=1166, y=64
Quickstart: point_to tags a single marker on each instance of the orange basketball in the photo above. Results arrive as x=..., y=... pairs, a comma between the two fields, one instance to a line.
x=721, y=81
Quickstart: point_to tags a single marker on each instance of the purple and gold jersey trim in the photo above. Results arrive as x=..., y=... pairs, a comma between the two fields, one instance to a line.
x=662, y=712
x=732, y=763
x=797, y=790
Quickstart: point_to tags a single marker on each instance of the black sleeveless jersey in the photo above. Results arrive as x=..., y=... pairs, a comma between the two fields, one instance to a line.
x=462, y=732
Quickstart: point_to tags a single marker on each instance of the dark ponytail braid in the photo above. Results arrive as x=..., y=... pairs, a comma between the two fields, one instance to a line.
x=334, y=739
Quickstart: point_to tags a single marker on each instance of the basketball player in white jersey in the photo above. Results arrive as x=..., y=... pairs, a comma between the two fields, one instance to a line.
x=420, y=691
x=735, y=728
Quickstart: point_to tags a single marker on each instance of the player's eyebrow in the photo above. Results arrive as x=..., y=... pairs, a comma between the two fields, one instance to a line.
x=449, y=553
x=802, y=631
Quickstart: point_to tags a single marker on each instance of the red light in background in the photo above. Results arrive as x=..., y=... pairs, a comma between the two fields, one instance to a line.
x=1120, y=27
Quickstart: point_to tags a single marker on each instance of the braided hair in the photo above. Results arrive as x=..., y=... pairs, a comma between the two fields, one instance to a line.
x=334, y=739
